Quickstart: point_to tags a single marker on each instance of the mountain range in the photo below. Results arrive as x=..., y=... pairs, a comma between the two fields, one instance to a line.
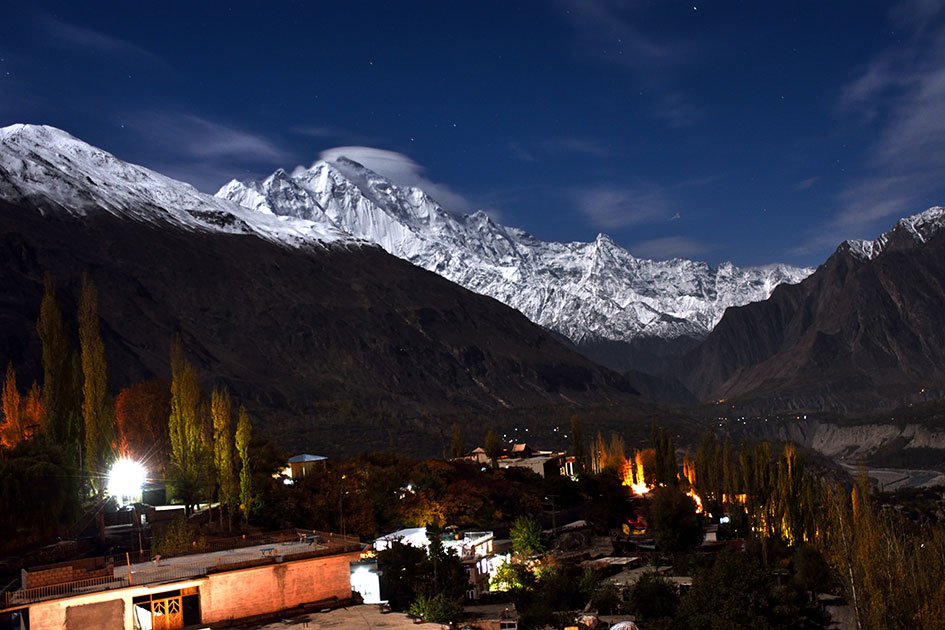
x=620, y=310
x=300, y=320
x=287, y=291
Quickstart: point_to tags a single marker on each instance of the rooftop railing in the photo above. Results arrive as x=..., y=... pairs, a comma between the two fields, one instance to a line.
x=288, y=546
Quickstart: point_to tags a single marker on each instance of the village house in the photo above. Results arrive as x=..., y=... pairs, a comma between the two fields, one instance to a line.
x=475, y=549
x=282, y=572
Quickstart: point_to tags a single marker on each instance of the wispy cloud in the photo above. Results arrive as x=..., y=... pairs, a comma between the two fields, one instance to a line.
x=89, y=40
x=669, y=247
x=612, y=207
x=401, y=170
x=330, y=132
x=203, y=152
x=608, y=31
x=806, y=184
x=900, y=93
x=566, y=146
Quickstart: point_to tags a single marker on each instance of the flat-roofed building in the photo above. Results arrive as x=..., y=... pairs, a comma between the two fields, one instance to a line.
x=281, y=574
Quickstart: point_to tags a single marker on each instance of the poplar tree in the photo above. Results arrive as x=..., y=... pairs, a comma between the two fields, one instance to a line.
x=184, y=427
x=665, y=456
x=57, y=375
x=577, y=444
x=223, y=454
x=10, y=432
x=244, y=431
x=33, y=413
x=97, y=416
x=492, y=447
x=457, y=444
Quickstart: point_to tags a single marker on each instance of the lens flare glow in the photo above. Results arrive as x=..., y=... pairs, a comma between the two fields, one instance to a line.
x=125, y=479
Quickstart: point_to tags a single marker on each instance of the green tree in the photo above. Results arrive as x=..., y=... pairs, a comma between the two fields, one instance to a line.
x=527, y=537
x=401, y=567
x=457, y=444
x=98, y=420
x=653, y=597
x=57, y=372
x=39, y=491
x=511, y=576
x=492, y=446
x=671, y=519
x=223, y=453
x=188, y=459
x=436, y=608
x=244, y=432
x=737, y=592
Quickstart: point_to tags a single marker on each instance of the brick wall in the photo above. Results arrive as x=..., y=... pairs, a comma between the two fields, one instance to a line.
x=66, y=572
x=275, y=587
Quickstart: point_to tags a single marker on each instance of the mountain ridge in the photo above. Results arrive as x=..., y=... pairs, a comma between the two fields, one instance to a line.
x=298, y=321
x=608, y=302
x=862, y=332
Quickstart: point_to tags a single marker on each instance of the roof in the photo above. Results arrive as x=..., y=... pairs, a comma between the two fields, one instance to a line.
x=305, y=457
x=404, y=533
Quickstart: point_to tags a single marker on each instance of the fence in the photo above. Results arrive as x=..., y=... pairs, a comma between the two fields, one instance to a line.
x=157, y=574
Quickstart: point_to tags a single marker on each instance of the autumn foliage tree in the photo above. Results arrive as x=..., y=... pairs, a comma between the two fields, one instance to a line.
x=33, y=414
x=141, y=414
x=11, y=431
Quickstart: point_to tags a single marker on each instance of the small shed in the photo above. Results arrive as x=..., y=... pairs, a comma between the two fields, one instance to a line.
x=305, y=464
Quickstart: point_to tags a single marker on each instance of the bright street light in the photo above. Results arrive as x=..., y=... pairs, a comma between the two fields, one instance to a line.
x=125, y=480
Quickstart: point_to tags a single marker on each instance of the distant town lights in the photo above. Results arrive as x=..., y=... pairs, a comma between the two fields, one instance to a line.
x=125, y=480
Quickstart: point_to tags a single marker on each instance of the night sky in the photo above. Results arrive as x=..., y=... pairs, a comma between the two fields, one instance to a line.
x=745, y=131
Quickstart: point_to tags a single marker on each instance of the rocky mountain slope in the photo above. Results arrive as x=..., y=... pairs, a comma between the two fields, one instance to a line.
x=291, y=313
x=864, y=331
x=623, y=311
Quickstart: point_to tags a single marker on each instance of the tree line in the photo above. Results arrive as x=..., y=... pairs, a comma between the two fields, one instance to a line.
x=198, y=443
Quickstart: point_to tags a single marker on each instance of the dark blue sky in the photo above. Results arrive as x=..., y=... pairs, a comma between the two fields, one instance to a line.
x=747, y=131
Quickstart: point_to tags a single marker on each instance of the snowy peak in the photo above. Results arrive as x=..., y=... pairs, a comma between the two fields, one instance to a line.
x=908, y=232
x=589, y=292
x=51, y=170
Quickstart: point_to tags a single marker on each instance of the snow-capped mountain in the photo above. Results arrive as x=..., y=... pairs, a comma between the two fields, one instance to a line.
x=51, y=169
x=914, y=229
x=590, y=292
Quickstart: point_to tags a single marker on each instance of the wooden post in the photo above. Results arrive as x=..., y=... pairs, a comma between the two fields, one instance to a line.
x=130, y=577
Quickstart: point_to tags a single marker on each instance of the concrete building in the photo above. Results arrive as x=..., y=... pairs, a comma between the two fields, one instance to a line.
x=474, y=549
x=169, y=593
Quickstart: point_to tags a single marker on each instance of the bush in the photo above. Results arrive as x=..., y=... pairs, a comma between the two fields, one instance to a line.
x=654, y=597
x=177, y=538
x=436, y=609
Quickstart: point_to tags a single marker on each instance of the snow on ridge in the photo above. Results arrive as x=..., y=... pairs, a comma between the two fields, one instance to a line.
x=47, y=167
x=587, y=291
x=918, y=227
